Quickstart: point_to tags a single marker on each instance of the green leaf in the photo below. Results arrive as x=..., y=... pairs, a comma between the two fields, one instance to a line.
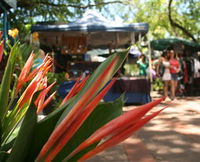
x=3, y=156
x=6, y=81
x=45, y=127
x=0, y=132
x=93, y=77
x=42, y=132
x=7, y=146
x=102, y=114
x=23, y=140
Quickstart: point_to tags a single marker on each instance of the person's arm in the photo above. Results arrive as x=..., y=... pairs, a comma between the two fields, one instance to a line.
x=179, y=67
x=142, y=64
x=158, y=67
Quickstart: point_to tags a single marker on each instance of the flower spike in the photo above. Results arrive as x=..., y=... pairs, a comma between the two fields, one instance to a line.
x=46, y=102
x=24, y=72
x=78, y=122
x=76, y=110
x=117, y=124
x=119, y=137
x=40, y=100
x=75, y=89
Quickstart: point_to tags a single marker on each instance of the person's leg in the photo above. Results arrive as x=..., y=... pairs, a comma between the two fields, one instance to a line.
x=166, y=84
x=175, y=87
x=172, y=89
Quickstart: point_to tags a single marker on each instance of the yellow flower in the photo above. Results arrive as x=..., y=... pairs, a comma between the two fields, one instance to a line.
x=13, y=32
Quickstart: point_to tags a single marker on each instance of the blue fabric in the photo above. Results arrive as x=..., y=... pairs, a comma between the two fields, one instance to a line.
x=130, y=98
x=64, y=88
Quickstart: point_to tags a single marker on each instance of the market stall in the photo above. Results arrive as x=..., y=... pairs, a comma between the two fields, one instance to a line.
x=71, y=42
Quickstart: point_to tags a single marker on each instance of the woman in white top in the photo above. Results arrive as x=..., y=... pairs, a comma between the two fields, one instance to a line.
x=166, y=76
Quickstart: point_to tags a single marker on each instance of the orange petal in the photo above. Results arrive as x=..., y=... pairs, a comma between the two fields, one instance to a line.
x=25, y=71
x=81, y=84
x=32, y=74
x=119, y=137
x=76, y=110
x=44, y=93
x=28, y=93
x=76, y=87
x=77, y=123
x=48, y=100
x=40, y=100
x=117, y=124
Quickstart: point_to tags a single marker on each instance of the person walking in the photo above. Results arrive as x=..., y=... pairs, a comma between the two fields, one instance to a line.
x=174, y=70
x=164, y=65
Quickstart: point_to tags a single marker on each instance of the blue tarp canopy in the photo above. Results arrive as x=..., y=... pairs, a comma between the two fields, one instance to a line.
x=99, y=30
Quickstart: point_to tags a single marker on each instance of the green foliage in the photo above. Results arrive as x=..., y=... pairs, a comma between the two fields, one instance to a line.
x=94, y=121
x=56, y=77
x=16, y=136
x=23, y=141
x=30, y=12
x=155, y=12
x=157, y=84
x=6, y=82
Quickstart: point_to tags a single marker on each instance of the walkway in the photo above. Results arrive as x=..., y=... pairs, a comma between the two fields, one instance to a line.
x=173, y=136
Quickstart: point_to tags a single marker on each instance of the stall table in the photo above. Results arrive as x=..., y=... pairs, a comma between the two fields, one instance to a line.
x=136, y=90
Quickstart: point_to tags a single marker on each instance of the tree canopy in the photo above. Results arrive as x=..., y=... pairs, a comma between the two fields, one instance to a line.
x=166, y=18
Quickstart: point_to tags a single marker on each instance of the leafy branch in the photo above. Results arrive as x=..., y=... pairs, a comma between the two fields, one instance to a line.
x=174, y=24
x=53, y=4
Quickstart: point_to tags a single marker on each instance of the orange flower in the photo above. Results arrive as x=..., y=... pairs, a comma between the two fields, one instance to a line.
x=24, y=73
x=119, y=137
x=38, y=83
x=118, y=125
x=30, y=90
x=77, y=109
x=71, y=130
x=40, y=101
x=43, y=68
x=75, y=89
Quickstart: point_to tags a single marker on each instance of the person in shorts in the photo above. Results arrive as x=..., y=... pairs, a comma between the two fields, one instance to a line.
x=166, y=75
x=174, y=69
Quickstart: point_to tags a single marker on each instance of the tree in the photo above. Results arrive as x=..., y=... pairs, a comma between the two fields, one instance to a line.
x=29, y=12
x=188, y=22
x=163, y=17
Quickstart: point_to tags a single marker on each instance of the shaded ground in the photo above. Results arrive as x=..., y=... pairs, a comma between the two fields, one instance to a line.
x=173, y=136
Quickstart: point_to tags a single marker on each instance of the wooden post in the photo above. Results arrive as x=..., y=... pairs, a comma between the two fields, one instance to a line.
x=150, y=65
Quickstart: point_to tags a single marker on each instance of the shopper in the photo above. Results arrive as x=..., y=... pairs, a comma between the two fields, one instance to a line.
x=143, y=65
x=164, y=66
x=174, y=70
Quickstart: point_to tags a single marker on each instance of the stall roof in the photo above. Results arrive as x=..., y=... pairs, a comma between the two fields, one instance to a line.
x=163, y=44
x=91, y=22
x=100, y=32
